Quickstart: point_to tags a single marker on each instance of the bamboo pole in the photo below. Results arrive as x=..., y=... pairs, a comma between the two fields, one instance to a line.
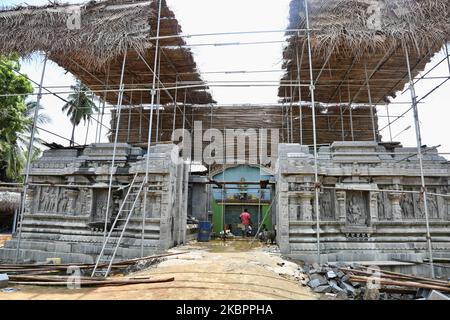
x=111, y=172
x=150, y=127
x=316, y=168
x=29, y=158
x=420, y=156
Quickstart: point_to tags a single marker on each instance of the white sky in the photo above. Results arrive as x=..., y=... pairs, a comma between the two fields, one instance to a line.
x=209, y=16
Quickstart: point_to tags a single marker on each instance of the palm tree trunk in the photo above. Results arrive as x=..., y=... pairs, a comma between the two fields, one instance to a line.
x=72, y=139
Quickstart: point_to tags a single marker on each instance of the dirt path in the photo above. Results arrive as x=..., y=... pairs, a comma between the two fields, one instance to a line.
x=213, y=271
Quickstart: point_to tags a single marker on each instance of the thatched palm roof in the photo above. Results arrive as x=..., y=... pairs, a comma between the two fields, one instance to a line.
x=350, y=36
x=9, y=201
x=108, y=28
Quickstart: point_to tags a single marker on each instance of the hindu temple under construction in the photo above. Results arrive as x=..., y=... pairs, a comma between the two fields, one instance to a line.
x=314, y=167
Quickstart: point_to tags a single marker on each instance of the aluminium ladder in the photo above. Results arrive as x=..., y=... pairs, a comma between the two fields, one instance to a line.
x=112, y=243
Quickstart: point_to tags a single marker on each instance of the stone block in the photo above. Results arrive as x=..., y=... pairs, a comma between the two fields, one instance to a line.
x=4, y=280
x=348, y=288
x=323, y=289
x=436, y=295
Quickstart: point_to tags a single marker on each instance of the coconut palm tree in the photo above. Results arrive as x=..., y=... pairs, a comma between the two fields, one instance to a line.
x=79, y=107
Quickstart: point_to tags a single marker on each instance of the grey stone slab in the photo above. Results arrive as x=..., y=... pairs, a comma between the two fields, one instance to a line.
x=436, y=295
x=4, y=280
x=348, y=288
x=323, y=289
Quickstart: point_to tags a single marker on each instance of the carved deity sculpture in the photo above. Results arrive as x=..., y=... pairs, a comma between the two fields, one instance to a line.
x=63, y=201
x=354, y=212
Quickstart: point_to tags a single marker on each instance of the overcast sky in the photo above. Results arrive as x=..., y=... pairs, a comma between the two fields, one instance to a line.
x=209, y=16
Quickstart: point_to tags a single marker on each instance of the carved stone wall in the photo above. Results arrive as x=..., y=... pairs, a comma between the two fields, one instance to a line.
x=370, y=207
x=67, y=202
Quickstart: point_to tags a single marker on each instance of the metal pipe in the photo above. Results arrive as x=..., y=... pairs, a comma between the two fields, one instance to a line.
x=175, y=107
x=129, y=114
x=291, y=123
x=369, y=94
x=150, y=127
x=351, y=114
x=158, y=102
x=29, y=158
x=104, y=103
x=316, y=169
x=111, y=173
x=341, y=115
x=420, y=156
x=389, y=122
x=299, y=70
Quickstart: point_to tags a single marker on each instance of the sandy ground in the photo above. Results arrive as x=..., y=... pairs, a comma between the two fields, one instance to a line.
x=212, y=271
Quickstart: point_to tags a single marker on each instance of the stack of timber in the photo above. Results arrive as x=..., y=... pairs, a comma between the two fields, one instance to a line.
x=389, y=280
x=56, y=275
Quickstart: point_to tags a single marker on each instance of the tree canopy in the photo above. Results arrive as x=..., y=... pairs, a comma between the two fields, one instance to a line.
x=15, y=121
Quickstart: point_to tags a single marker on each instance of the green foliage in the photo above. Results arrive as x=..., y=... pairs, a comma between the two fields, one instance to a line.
x=15, y=119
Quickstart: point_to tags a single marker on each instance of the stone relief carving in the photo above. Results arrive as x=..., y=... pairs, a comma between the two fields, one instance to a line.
x=407, y=205
x=48, y=201
x=412, y=205
x=83, y=203
x=382, y=210
x=327, y=205
x=100, y=203
x=63, y=202
x=432, y=206
x=341, y=200
x=356, y=208
x=395, y=198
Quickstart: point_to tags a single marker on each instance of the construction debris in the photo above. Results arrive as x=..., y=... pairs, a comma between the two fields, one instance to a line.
x=56, y=268
x=360, y=283
x=51, y=274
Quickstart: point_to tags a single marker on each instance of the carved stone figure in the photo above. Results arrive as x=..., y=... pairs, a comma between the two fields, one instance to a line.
x=353, y=212
x=407, y=205
x=48, y=199
x=44, y=199
x=395, y=198
x=53, y=200
x=63, y=201
x=381, y=199
x=327, y=205
x=357, y=208
x=431, y=206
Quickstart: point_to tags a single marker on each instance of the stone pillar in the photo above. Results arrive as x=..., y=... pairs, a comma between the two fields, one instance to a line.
x=306, y=208
x=373, y=207
x=283, y=218
x=30, y=208
x=72, y=197
x=342, y=210
x=395, y=197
